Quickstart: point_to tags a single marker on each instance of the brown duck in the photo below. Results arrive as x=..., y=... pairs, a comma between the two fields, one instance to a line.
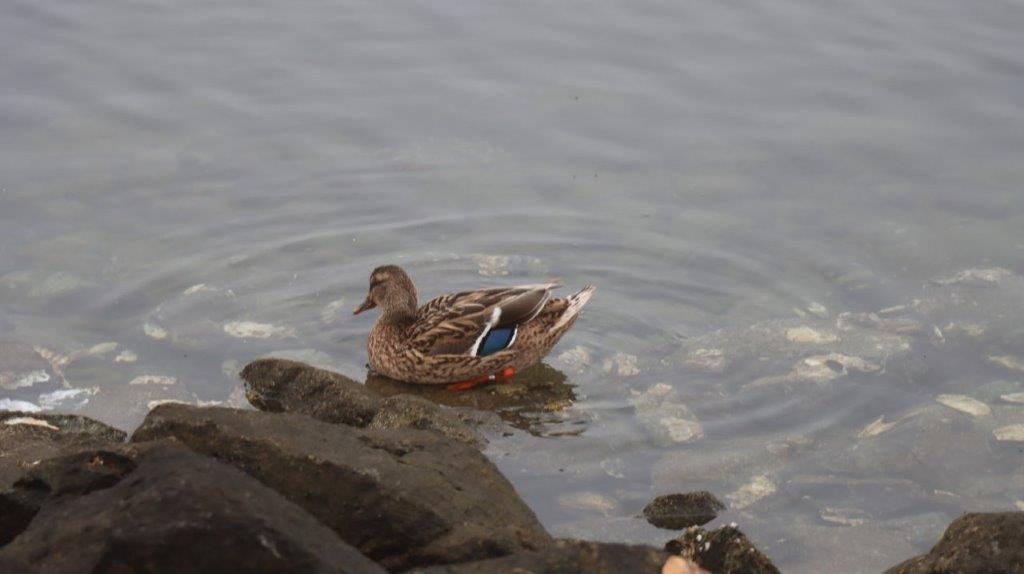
x=464, y=338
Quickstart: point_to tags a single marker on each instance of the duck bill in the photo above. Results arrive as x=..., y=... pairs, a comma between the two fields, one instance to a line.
x=368, y=304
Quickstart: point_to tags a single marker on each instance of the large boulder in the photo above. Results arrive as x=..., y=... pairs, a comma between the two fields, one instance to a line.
x=403, y=497
x=281, y=385
x=567, y=556
x=158, y=508
x=27, y=438
x=974, y=544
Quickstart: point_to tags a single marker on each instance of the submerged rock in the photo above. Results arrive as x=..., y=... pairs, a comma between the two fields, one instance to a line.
x=403, y=497
x=974, y=543
x=723, y=551
x=965, y=404
x=678, y=511
x=667, y=420
x=162, y=508
x=27, y=438
x=566, y=556
x=280, y=385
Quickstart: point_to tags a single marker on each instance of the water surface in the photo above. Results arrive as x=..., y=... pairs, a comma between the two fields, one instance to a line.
x=173, y=172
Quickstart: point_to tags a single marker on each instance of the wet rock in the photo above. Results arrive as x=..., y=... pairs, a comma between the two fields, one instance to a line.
x=722, y=551
x=411, y=412
x=566, y=556
x=576, y=359
x=26, y=438
x=403, y=497
x=529, y=400
x=280, y=385
x=678, y=511
x=667, y=420
x=162, y=508
x=974, y=543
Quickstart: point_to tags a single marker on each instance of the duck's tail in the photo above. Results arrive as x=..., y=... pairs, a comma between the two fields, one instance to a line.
x=576, y=303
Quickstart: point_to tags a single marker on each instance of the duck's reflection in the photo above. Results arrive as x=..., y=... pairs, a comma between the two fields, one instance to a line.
x=532, y=400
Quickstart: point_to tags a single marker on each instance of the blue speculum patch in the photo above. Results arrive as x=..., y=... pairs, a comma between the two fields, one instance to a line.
x=496, y=340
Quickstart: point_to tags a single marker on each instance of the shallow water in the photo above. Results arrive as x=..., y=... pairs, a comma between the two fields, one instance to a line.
x=177, y=178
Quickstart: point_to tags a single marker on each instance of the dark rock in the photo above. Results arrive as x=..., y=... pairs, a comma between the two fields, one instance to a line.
x=678, y=511
x=725, y=550
x=411, y=412
x=974, y=544
x=566, y=556
x=26, y=438
x=280, y=385
x=405, y=497
x=170, y=511
x=526, y=401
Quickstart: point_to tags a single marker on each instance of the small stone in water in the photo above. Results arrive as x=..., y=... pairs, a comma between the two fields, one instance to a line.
x=678, y=511
x=26, y=380
x=197, y=288
x=965, y=404
x=126, y=356
x=1014, y=433
x=153, y=380
x=810, y=336
x=253, y=330
x=591, y=501
x=1013, y=397
x=154, y=331
x=621, y=363
x=50, y=401
x=576, y=359
x=818, y=309
x=758, y=488
x=1011, y=362
x=845, y=516
x=877, y=427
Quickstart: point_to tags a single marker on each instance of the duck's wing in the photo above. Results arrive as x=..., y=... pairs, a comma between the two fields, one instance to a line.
x=456, y=323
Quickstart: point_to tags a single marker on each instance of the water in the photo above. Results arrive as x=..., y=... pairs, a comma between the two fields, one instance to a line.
x=709, y=165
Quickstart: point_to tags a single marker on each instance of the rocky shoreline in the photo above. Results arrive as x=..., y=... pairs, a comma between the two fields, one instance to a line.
x=330, y=476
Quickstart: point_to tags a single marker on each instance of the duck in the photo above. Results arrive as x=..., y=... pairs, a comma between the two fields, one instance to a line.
x=466, y=338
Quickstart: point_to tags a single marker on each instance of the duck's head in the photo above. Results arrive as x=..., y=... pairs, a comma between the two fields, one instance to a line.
x=391, y=290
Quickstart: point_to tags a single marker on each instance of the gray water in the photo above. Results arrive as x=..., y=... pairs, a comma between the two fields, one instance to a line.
x=743, y=182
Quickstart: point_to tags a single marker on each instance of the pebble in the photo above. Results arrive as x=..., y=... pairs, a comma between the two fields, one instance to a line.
x=154, y=331
x=844, y=516
x=1014, y=433
x=877, y=427
x=759, y=487
x=126, y=356
x=621, y=363
x=965, y=404
x=1011, y=362
x=153, y=380
x=807, y=335
x=576, y=359
x=1013, y=397
x=591, y=501
x=254, y=330
x=50, y=401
